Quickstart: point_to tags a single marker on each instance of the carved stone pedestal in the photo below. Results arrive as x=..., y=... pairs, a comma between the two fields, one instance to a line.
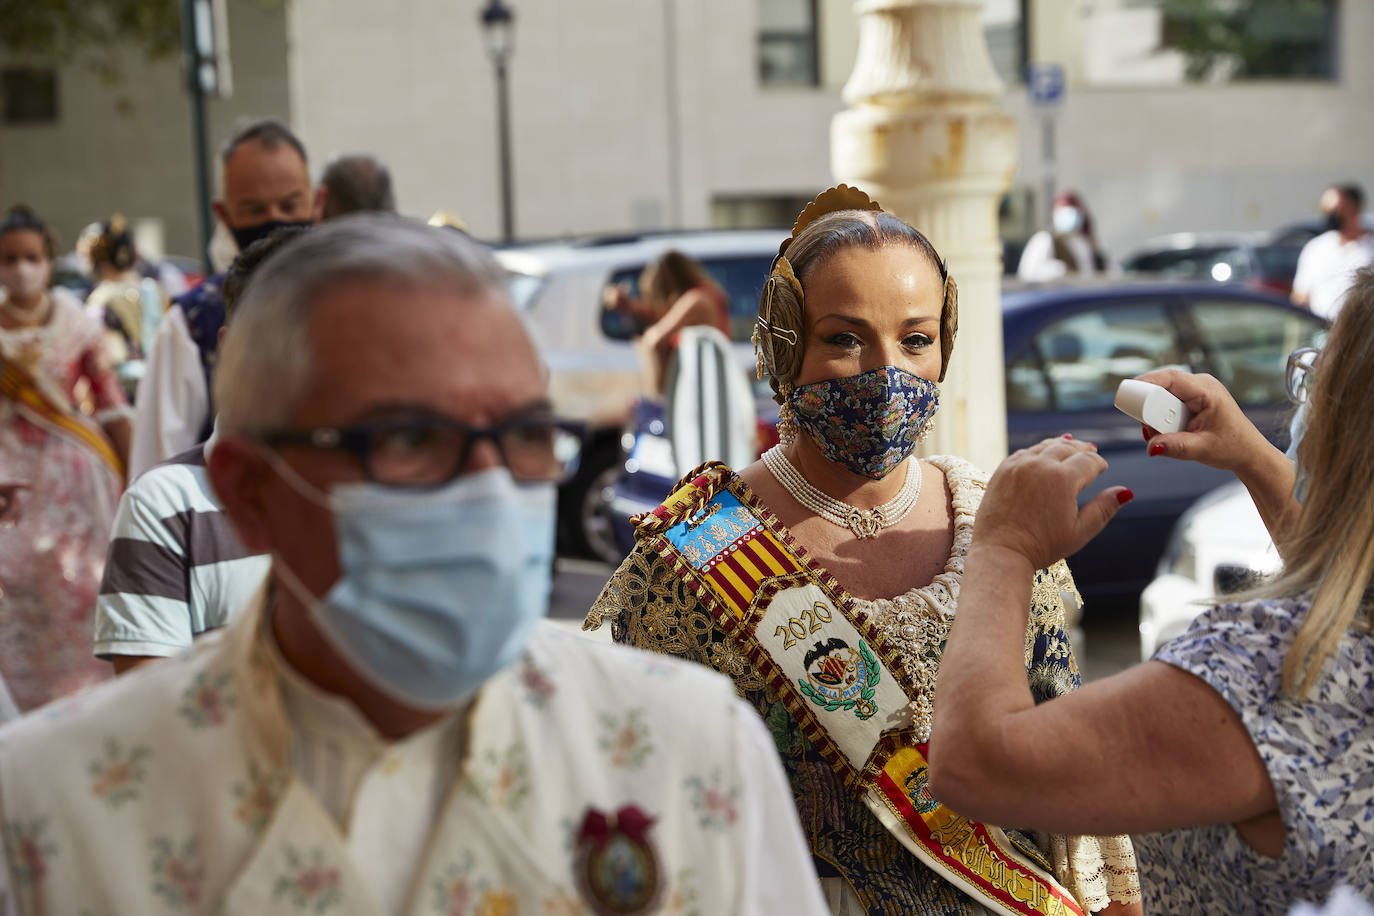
x=924, y=137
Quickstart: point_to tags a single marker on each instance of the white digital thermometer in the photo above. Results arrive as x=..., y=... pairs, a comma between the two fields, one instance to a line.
x=1152, y=405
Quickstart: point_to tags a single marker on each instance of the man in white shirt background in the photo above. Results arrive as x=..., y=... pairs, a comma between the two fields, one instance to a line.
x=265, y=185
x=390, y=726
x=1327, y=265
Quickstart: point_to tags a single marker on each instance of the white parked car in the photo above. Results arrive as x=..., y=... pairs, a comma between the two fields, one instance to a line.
x=596, y=371
x=1219, y=546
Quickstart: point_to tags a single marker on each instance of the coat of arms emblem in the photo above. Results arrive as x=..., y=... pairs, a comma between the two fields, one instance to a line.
x=839, y=676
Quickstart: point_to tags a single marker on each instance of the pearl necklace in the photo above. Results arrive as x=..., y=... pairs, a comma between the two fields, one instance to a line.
x=28, y=318
x=865, y=523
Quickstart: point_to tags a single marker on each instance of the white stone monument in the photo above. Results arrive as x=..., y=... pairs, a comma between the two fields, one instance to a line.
x=924, y=136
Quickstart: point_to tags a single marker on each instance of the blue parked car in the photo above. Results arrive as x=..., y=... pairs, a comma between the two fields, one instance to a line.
x=1066, y=349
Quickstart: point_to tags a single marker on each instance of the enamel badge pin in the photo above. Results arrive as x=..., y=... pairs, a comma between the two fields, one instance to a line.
x=615, y=864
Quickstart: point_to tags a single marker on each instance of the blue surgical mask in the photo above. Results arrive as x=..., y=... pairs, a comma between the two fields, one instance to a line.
x=1296, y=430
x=439, y=590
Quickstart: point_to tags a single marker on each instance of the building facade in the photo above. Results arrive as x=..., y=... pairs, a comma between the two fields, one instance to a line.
x=693, y=113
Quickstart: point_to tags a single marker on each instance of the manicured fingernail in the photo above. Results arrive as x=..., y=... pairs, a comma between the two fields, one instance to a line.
x=1067, y=436
x=1092, y=445
x=1156, y=448
x=1145, y=434
x=1124, y=496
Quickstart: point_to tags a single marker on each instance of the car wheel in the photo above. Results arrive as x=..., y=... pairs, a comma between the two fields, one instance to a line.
x=584, y=507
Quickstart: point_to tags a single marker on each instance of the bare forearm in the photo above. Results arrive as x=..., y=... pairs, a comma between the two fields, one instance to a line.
x=1270, y=478
x=120, y=433
x=982, y=674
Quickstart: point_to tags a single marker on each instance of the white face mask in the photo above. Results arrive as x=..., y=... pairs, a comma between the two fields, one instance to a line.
x=25, y=280
x=1066, y=220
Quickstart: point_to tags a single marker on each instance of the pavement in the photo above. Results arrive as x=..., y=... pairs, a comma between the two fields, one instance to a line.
x=1110, y=634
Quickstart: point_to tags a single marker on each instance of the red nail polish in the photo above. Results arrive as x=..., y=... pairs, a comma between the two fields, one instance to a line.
x=1067, y=436
x=1124, y=497
x=1156, y=448
x=1092, y=445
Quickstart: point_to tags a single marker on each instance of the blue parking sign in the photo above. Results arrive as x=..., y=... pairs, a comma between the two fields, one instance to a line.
x=1045, y=82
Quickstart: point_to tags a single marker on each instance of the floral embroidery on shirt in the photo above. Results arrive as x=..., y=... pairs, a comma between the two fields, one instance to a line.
x=116, y=776
x=497, y=903
x=539, y=687
x=456, y=891
x=208, y=700
x=308, y=883
x=29, y=851
x=563, y=905
x=626, y=740
x=503, y=779
x=178, y=874
x=681, y=898
x=257, y=794
x=715, y=805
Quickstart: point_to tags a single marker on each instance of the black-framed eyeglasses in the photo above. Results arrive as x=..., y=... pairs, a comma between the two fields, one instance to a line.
x=1297, y=376
x=431, y=451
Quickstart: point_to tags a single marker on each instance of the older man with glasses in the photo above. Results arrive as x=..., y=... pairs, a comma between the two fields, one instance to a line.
x=390, y=727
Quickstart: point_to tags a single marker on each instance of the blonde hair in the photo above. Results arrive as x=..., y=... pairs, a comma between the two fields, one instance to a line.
x=1330, y=550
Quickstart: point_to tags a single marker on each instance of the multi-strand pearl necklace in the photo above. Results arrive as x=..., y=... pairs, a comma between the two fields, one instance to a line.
x=865, y=523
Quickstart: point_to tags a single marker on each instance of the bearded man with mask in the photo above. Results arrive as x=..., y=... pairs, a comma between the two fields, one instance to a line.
x=266, y=185
x=390, y=728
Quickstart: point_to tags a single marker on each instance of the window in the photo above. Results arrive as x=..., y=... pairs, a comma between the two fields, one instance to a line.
x=1249, y=342
x=1088, y=354
x=1168, y=42
x=741, y=277
x=1004, y=27
x=1027, y=387
x=30, y=95
x=787, y=50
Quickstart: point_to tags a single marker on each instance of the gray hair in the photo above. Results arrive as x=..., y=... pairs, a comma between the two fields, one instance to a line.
x=355, y=183
x=266, y=365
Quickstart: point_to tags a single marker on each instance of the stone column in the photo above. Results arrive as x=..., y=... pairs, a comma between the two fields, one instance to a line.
x=923, y=135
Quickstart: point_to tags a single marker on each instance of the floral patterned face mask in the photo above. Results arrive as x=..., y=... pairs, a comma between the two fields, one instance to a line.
x=868, y=422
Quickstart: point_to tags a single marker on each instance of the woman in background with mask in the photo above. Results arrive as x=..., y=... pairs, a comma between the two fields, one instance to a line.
x=60, y=472
x=824, y=578
x=1068, y=248
x=47, y=332
x=1240, y=756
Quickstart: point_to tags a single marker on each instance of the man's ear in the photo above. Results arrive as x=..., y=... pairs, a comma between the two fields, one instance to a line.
x=239, y=475
x=321, y=195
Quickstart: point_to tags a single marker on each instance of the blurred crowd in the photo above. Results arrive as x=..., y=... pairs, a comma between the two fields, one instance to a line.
x=335, y=460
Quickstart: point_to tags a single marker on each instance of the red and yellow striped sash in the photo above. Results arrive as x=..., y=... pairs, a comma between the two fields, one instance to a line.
x=833, y=671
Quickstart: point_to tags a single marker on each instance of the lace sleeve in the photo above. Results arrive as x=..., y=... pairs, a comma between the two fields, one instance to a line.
x=651, y=608
x=1098, y=870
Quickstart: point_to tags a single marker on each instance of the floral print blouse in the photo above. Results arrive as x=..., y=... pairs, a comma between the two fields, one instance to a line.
x=1320, y=756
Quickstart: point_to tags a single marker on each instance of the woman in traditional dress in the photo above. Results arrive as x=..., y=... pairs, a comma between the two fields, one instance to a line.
x=1241, y=757
x=60, y=474
x=824, y=578
x=47, y=332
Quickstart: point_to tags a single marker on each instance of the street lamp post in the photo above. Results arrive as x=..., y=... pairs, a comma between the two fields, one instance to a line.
x=498, y=28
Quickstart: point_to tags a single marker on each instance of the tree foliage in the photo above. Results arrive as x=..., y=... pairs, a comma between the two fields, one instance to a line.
x=1248, y=39
x=95, y=32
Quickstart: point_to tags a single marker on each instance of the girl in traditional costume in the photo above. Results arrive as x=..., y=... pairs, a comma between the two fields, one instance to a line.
x=60, y=473
x=824, y=578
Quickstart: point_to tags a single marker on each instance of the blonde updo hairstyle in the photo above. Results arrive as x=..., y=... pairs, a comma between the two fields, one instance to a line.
x=838, y=219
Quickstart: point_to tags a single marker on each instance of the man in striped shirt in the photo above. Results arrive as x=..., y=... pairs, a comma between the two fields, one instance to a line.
x=175, y=566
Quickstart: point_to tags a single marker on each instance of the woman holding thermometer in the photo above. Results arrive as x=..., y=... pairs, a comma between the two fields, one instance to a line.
x=1239, y=758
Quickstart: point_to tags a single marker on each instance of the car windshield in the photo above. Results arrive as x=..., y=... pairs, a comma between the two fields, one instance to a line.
x=1189, y=263
x=1278, y=260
